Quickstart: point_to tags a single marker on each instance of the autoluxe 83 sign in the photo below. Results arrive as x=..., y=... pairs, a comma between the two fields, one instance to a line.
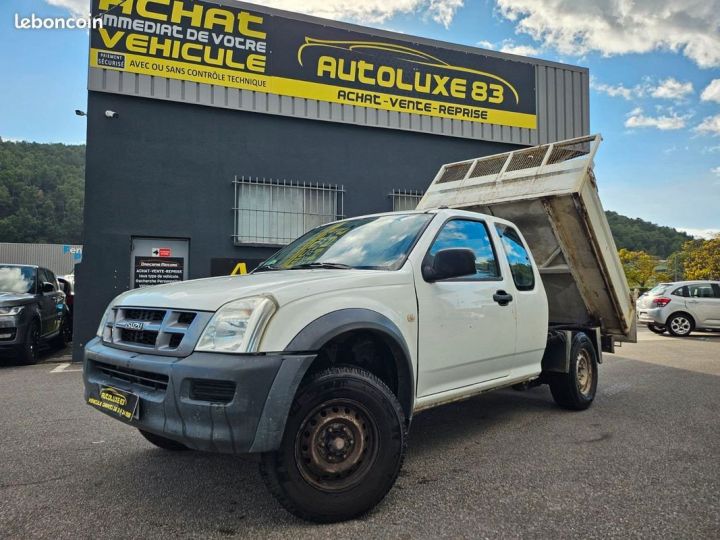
x=228, y=46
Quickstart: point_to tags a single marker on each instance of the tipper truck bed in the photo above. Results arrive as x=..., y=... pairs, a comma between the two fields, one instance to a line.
x=550, y=193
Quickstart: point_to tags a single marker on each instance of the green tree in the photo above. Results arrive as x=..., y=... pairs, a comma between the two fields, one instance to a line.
x=41, y=192
x=640, y=268
x=702, y=259
x=639, y=235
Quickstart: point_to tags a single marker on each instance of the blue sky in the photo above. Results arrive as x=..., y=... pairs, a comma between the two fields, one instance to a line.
x=652, y=64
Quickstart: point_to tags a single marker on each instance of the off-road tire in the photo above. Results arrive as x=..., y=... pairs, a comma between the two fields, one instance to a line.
x=572, y=390
x=28, y=352
x=656, y=328
x=343, y=418
x=162, y=442
x=680, y=324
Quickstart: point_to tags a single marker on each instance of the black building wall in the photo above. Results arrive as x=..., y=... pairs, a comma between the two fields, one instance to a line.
x=165, y=169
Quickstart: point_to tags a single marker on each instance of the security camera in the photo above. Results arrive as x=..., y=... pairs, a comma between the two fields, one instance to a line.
x=111, y=114
x=79, y=112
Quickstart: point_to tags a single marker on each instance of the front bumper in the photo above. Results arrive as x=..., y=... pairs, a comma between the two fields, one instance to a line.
x=652, y=316
x=13, y=329
x=253, y=420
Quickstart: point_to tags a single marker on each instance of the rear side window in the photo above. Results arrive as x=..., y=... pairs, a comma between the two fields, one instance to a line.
x=518, y=257
x=681, y=291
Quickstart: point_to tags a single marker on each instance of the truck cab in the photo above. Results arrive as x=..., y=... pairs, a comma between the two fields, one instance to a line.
x=319, y=359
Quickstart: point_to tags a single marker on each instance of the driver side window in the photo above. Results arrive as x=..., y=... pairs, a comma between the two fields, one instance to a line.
x=473, y=235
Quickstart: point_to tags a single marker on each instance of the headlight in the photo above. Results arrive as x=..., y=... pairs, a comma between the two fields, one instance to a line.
x=237, y=326
x=104, y=320
x=14, y=310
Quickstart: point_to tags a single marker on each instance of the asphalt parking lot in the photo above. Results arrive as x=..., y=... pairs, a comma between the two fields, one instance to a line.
x=644, y=461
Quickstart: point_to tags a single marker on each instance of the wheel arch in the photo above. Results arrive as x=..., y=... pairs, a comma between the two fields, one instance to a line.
x=337, y=324
x=302, y=353
x=681, y=312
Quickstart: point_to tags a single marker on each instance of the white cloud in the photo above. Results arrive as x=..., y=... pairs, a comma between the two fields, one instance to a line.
x=79, y=8
x=712, y=91
x=715, y=171
x=671, y=88
x=612, y=27
x=637, y=119
x=510, y=47
x=706, y=234
x=367, y=11
x=710, y=125
x=370, y=11
x=613, y=91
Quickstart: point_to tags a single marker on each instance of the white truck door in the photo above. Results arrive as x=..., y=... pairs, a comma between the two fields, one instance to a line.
x=530, y=301
x=465, y=335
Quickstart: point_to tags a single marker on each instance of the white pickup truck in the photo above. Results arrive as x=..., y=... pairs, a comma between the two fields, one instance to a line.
x=507, y=274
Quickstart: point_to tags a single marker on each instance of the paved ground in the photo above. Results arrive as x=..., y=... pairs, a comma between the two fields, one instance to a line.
x=644, y=461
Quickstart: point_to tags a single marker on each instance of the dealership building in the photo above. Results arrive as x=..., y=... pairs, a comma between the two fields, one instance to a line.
x=220, y=131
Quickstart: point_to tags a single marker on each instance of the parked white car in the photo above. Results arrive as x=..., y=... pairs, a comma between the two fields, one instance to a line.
x=681, y=307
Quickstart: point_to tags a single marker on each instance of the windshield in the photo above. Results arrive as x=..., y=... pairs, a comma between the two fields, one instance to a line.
x=17, y=279
x=378, y=243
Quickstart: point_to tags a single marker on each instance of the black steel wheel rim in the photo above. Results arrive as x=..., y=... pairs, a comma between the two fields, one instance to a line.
x=336, y=445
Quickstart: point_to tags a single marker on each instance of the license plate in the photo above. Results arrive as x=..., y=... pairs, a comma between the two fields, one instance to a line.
x=119, y=403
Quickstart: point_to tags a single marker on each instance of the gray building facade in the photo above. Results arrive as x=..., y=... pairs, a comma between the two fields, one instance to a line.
x=188, y=178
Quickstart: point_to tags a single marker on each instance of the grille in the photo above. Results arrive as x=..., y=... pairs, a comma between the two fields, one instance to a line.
x=570, y=150
x=214, y=391
x=151, y=315
x=155, y=381
x=486, y=167
x=453, y=173
x=186, y=317
x=175, y=340
x=139, y=337
x=526, y=159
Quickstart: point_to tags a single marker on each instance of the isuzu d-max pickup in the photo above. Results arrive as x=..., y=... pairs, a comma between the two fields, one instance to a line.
x=506, y=275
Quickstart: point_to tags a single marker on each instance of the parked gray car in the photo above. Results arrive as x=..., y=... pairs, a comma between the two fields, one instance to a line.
x=681, y=307
x=32, y=311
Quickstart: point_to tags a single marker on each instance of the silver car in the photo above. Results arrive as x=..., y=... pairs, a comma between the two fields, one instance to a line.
x=681, y=307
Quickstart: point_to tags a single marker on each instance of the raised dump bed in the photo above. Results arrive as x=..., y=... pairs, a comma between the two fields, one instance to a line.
x=550, y=193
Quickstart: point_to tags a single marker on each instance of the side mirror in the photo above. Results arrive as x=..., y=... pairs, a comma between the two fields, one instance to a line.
x=449, y=263
x=47, y=287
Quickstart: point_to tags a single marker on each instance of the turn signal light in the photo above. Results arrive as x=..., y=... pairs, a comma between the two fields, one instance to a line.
x=660, y=302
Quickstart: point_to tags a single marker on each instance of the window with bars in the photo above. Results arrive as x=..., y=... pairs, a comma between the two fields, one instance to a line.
x=278, y=211
x=405, y=199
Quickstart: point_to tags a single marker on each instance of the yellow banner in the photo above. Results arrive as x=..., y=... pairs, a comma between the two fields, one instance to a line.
x=172, y=69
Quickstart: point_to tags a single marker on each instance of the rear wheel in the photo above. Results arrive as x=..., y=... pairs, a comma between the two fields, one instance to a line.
x=163, y=442
x=680, y=325
x=576, y=390
x=658, y=329
x=29, y=350
x=342, y=450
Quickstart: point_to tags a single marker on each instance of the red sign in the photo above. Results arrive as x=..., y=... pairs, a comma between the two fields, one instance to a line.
x=161, y=252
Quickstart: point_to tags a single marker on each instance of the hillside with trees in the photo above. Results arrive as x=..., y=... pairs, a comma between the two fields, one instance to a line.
x=41, y=192
x=635, y=234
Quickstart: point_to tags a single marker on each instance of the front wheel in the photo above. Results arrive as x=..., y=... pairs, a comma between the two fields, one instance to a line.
x=342, y=449
x=576, y=390
x=29, y=350
x=658, y=329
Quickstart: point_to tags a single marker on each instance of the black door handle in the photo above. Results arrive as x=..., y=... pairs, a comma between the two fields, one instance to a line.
x=502, y=298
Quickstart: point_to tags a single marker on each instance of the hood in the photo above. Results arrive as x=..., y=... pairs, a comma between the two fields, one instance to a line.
x=15, y=299
x=284, y=285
